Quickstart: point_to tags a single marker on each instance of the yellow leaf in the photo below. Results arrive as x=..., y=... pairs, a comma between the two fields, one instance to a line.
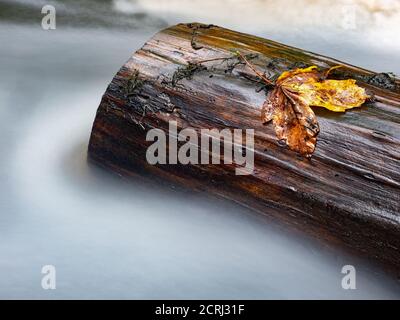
x=291, y=73
x=334, y=95
x=288, y=105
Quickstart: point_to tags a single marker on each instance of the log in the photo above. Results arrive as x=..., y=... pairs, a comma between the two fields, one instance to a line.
x=347, y=194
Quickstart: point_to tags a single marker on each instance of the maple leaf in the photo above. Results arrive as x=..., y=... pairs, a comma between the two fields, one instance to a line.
x=294, y=121
x=288, y=105
x=315, y=90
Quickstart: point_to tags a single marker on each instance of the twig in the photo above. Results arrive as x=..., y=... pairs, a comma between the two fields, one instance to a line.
x=260, y=75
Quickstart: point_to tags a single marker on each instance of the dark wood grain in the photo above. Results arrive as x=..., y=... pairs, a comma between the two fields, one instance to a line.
x=348, y=193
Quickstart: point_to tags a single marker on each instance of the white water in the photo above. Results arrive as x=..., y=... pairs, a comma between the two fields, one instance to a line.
x=110, y=238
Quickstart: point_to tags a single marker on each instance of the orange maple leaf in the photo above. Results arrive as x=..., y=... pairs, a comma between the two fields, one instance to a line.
x=288, y=105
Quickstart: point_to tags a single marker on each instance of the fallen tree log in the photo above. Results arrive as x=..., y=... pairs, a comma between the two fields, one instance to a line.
x=347, y=193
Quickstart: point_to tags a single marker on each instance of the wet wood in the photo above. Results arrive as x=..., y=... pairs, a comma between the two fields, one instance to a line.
x=348, y=193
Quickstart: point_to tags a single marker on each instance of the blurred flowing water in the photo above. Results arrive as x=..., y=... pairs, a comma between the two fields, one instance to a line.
x=111, y=238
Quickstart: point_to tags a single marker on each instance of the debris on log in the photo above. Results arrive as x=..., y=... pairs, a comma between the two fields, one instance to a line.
x=347, y=193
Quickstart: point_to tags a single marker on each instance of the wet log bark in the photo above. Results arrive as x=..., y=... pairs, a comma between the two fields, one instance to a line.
x=347, y=193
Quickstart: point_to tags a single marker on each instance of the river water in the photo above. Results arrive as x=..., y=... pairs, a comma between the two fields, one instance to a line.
x=111, y=238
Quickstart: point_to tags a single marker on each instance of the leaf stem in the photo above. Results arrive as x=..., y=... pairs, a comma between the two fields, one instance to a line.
x=326, y=74
x=259, y=74
x=245, y=60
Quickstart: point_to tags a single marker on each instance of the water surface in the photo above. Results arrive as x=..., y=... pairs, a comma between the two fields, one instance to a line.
x=111, y=238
